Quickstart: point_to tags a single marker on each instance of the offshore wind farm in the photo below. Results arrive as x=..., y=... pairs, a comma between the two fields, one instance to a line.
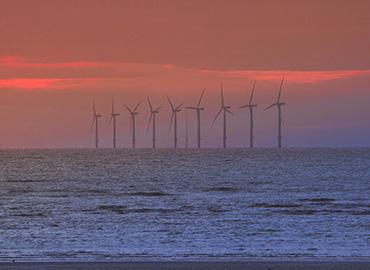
x=178, y=108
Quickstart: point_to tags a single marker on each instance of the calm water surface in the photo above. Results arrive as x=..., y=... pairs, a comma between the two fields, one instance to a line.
x=184, y=204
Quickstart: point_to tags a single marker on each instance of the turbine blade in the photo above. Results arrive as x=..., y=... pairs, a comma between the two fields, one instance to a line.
x=222, y=94
x=272, y=105
x=150, y=105
x=281, y=86
x=251, y=97
x=129, y=110
x=112, y=106
x=178, y=107
x=244, y=106
x=94, y=109
x=192, y=108
x=201, y=96
x=157, y=109
x=92, y=123
x=137, y=106
x=150, y=119
x=172, y=116
x=169, y=101
x=230, y=112
x=217, y=115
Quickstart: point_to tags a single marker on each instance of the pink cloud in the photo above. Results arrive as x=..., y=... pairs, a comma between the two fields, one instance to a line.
x=14, y=61
x=23, y=73
x=300, y=77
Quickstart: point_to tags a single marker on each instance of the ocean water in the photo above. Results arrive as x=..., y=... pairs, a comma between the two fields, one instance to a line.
x=184, y=204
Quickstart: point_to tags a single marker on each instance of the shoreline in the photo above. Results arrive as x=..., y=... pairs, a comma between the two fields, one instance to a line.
x=191, y=265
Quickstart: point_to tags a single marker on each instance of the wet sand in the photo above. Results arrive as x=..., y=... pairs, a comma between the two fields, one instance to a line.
x=325, y=265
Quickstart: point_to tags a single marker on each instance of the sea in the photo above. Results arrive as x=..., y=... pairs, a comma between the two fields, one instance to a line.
x=184, y=204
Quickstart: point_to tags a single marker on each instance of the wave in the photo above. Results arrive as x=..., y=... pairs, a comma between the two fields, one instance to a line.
x=302, y=212
x=93, y=191
x=24, y=181
x=118, y=209
x=148, y=194
x=350, y=205
x=216, y=209
x=123, y=209
x=30, y=215
x=222, y=189
x=277, y=205
x=16, y=191
x=360, y=213
x=153, y=210
x=325, y=212
x=318, y=200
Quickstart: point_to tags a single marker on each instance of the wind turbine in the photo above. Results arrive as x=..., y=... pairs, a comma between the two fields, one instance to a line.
x=113, y=118
x=95, y=122
x=175, y=110
x=153, y=113
x=225, y=109
x=198, y=109
x=278, y=104
x=133, y=114
x=250, y=105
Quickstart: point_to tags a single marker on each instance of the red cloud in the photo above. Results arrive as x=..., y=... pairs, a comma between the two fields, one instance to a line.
x=40, y=83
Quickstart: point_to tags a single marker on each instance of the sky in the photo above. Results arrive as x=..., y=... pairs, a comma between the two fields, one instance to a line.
x=58, y=57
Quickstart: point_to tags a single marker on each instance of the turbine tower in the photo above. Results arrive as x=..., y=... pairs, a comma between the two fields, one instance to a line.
x=113, y=118
x=175, y=110
x=153, y=113
x=133, y=114
x=278, y=104
x=198, y=109
x=95, y=122
x=251, y=106
x=225, y=109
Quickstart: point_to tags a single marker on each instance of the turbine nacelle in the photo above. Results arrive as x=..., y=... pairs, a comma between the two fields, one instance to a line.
x=278, y=104
x=153, y=112
x=248, y=106
x=95, y=114
x=134, y=111
x=198, y=108
x=176, y=110
x=223, y=107
x=173, y=108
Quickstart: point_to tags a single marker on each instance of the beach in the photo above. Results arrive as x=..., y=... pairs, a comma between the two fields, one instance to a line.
x=255, y=265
